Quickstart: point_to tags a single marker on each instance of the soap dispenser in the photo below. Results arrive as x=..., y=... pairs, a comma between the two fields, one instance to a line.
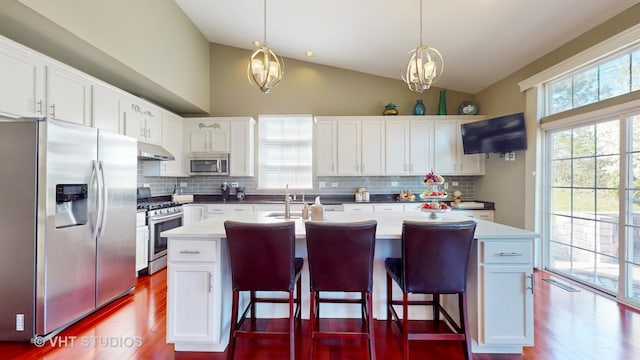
x=317, y=210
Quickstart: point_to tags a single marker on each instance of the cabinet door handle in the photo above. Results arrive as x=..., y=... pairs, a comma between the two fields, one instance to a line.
x=190, y=252
x=148, y=133
x=530, y=288
x=210, y=282
x=53, y=110
x=39, y=110
x=510, y=254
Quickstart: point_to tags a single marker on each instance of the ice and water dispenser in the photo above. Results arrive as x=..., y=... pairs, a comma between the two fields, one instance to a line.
x=71, y=205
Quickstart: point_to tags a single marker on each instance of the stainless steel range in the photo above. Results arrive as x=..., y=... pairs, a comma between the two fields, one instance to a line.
x=161, y=216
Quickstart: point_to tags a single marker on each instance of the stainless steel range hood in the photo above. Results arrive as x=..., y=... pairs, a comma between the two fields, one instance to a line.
x=148, y=151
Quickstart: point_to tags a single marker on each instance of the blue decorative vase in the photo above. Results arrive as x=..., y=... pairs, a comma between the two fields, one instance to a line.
x=419, y=108
x=442, y=107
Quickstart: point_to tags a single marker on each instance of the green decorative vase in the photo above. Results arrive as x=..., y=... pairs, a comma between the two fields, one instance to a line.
x=419, y=108
x=442, y=107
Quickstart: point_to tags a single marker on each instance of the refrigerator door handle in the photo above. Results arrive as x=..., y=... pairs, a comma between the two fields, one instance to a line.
x=100, y=181
x=104, y=200
x=95, y=178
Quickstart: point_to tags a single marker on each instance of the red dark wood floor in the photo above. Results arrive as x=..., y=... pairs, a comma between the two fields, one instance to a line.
x=568, y=325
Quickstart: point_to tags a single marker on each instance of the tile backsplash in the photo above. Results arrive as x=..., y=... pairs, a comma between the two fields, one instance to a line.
x=345, y=184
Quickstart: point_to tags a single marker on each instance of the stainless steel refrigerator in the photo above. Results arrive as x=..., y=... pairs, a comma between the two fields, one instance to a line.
x=67, y=224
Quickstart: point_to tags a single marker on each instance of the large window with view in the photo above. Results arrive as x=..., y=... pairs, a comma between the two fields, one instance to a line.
x=616, y=75
x=584, y=178
x=593, y=211
x=632, y=245
x=285, y=145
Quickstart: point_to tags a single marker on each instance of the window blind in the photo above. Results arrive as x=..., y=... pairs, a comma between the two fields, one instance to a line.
x=285, y=151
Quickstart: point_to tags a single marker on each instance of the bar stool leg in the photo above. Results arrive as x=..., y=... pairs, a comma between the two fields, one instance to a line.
x=436, y=308
x=253, y=310
x=372, y=346
x=234, y=324
x=405, y=325
x=292, y=328
x=389, y=300
x=466, y=346
x=312, y=321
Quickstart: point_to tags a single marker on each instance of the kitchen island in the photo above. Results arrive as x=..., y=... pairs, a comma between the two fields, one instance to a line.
x=500, y=276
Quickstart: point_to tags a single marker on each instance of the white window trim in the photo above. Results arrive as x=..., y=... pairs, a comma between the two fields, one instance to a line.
x=628, y=37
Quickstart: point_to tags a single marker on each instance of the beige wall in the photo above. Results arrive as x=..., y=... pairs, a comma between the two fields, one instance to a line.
x=147, y=47
x=312, y=89
x=505, y=181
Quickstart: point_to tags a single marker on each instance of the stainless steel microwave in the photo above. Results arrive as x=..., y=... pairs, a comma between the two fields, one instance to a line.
x=209, y=164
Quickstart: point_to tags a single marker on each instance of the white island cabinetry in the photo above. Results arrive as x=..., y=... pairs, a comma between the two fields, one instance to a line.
x=505, y=268
x=499, y=278
x=197, y=315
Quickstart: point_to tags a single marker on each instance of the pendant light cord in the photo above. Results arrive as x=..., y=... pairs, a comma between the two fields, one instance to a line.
x=265, y=23
x=420, y=22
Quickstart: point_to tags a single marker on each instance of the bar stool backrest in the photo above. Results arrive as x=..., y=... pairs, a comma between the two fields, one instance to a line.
x=341, y=255
x=435, y=256
x=261, y=255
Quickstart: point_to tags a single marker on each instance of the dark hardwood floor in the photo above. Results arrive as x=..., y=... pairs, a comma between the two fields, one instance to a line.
x=568, y=325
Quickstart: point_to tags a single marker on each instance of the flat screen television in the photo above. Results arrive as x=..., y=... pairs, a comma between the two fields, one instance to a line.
x=497, y=135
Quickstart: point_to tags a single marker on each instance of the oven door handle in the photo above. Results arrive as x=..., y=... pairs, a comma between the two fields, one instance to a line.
x=157, y=219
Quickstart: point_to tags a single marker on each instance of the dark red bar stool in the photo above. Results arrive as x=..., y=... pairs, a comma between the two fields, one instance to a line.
x=434, y=261
x=262, y=259
x=340, y=259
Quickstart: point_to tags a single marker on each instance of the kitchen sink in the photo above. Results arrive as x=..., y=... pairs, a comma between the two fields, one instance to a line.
x=280, y=215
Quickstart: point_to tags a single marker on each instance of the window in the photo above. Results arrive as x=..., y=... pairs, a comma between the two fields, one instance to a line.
x=611, y=77
x=584, y=180
x=632, y=244
x=285, y=145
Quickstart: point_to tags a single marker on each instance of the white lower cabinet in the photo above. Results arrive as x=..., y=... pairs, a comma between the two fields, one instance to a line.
x=142, y=242
x=478, y=214
x=504, y=306
x=221, y=209
x=390, y=207
x=195, y=315
x=358, y=207
x=194, y=213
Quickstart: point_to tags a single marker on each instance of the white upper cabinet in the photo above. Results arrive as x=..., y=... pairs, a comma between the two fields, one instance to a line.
x=142, y=121
x=68, y=96
x=22, y=82
x=409, y=145
x=241, y=159
x=449, y=158
x=326, y=136
x=107, y=112
x=209, y=135
x=172, y=141
x=373, y=147
x=359, y=145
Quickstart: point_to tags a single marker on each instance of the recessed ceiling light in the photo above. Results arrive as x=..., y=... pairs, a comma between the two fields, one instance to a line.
x=257, y=43
x=309, y=53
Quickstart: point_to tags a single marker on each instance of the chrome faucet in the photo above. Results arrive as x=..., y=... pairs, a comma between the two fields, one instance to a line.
x=287, y=203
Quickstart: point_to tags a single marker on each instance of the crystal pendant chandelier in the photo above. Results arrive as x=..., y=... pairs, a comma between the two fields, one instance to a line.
x=265, y=69
x=425, y=65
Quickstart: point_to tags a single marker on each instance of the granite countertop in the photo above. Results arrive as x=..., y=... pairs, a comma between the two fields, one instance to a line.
x=325, y=199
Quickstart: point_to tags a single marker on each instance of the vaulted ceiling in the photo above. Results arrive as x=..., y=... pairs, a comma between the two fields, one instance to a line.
x=482, y=41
